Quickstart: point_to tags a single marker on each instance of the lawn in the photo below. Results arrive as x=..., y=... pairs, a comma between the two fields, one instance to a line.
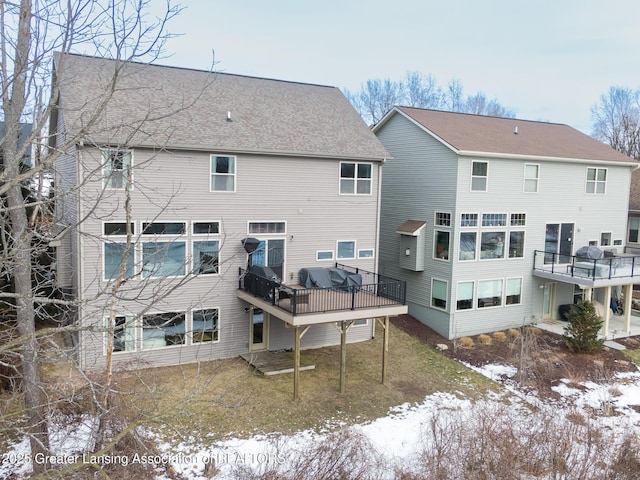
x=214, y=399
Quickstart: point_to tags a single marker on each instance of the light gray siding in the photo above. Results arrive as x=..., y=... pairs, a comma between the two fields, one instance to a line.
x=425, y=177
x=175, y=187
x=421, y=168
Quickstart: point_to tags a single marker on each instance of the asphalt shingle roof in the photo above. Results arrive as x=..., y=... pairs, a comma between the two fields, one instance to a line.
x=172, y=107
x=477, y=133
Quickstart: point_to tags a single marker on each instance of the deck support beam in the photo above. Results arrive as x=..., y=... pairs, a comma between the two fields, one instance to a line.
x=296, y=363
x=385, y=349
x=627, y=293
x=343, y=355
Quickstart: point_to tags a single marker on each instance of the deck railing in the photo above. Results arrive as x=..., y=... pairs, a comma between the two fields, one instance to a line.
x=610, y=267
x=373, y=291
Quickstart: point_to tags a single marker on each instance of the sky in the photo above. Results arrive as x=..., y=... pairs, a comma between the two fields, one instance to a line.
x=548, y=60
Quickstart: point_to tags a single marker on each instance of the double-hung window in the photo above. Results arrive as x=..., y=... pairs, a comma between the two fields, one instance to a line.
x=355, y=178
x=116, y=168
x=118, y=254
x=596, y=180
x=439, y=294
x=479, y=176
x=223, y=173
x=163, y=249
x=206, y=246
x=531, y=177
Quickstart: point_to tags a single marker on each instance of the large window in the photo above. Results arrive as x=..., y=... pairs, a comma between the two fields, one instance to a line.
x=124, y=334
x=223, y=173
x=492, y=245
x=438, y=294
x=165, y=256
x=479, y=175
x=163, y=330
x=467, y=249
x=514, y=291
x=441, y=245
x=117, y=253
x=531, y=177
x=516, y=244
x=464, y=296
x=205, y=325
x=205, y=249
x=489, y=293
x=346, y=249
x=634, y=228
x=116, y=168
x=355, y=178
x=596, y=180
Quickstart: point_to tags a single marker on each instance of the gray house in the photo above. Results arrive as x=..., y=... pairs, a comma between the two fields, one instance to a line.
x=485, y=218
x=176, y=185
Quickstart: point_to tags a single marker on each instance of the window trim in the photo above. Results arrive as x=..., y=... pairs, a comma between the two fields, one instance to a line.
x=191, y=329
x=610, y=242
x=486, y=177
x=506, y=295
x=536, y=179
x=475, y=246
x=446, y=294
x=444, y=217
x=142, y=329
x=473, y=295
x=105, y=152
x=318, y=252
x=355, y=251
x=266, y=222
x=434, y=252
x=118, y=239
x=595, y=181
x=477, y=217
x=362, y=250
x=524, y=241
x=355, y=178
x=212, y=173
x=501, y=297
x=637, y=230
x=496, y=232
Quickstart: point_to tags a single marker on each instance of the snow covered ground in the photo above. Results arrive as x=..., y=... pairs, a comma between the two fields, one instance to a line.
x=394, y=441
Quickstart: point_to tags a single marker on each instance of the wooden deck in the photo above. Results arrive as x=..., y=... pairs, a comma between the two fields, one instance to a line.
x=275, y=363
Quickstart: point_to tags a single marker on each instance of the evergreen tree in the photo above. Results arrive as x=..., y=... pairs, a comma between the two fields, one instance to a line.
x=582, y=333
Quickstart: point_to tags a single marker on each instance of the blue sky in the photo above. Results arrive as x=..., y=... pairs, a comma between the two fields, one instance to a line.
x=546, y=59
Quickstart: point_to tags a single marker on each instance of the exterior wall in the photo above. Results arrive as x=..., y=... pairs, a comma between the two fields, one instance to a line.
x=175, y=187
x=421, y=169
x=423, y=178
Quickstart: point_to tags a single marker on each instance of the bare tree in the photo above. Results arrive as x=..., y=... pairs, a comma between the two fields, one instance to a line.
x=30, y=33
x=616, y=120
x=377, y=97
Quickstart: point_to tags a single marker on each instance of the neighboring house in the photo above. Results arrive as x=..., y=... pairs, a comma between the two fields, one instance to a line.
x=215, y=165
x=633, y=232
x=25, y=131
x=483, y=217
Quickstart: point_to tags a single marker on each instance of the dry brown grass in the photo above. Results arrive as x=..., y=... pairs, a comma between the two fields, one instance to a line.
x=465, y=342
x=216, y=398
x=484, y=339
x=514, y=332
x=499, y=336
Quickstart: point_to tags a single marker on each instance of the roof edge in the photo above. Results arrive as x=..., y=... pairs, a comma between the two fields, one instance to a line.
x=541, y=158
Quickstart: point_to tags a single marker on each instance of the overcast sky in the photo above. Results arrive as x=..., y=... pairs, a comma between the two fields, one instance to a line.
x=545, y=59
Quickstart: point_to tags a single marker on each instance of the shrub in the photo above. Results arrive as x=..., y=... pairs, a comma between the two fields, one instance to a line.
x=582, y=333
x=532, y=330
x=484, y=339
x=514, y=332
x=465, y=342
x=499, y=336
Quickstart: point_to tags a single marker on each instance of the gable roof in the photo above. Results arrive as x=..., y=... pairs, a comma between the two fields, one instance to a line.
x=155, y=105
x=411, y=227
x=467, y=133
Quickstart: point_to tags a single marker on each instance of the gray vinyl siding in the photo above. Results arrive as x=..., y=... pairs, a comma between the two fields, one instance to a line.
x=416, y=183
x=425, y=177
x=303, y=192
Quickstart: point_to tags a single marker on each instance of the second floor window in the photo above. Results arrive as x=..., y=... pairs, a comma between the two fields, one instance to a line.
x=355, y=178
x=596, y=180
x=479, y=176
x=223, y=173
x=116, y=168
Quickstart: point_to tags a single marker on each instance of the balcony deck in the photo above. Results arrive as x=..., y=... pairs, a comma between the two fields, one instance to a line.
x=376, y=296
x=621, y=269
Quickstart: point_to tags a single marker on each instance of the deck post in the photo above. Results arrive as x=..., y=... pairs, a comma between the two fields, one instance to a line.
x=607, y=311
x=627, y=293
x=385, y=349
x=296, y=363
x=343, y=355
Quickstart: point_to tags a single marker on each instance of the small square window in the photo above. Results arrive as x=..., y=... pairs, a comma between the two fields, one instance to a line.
x=443, y=219
x=469, y=220
x=355, y=178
